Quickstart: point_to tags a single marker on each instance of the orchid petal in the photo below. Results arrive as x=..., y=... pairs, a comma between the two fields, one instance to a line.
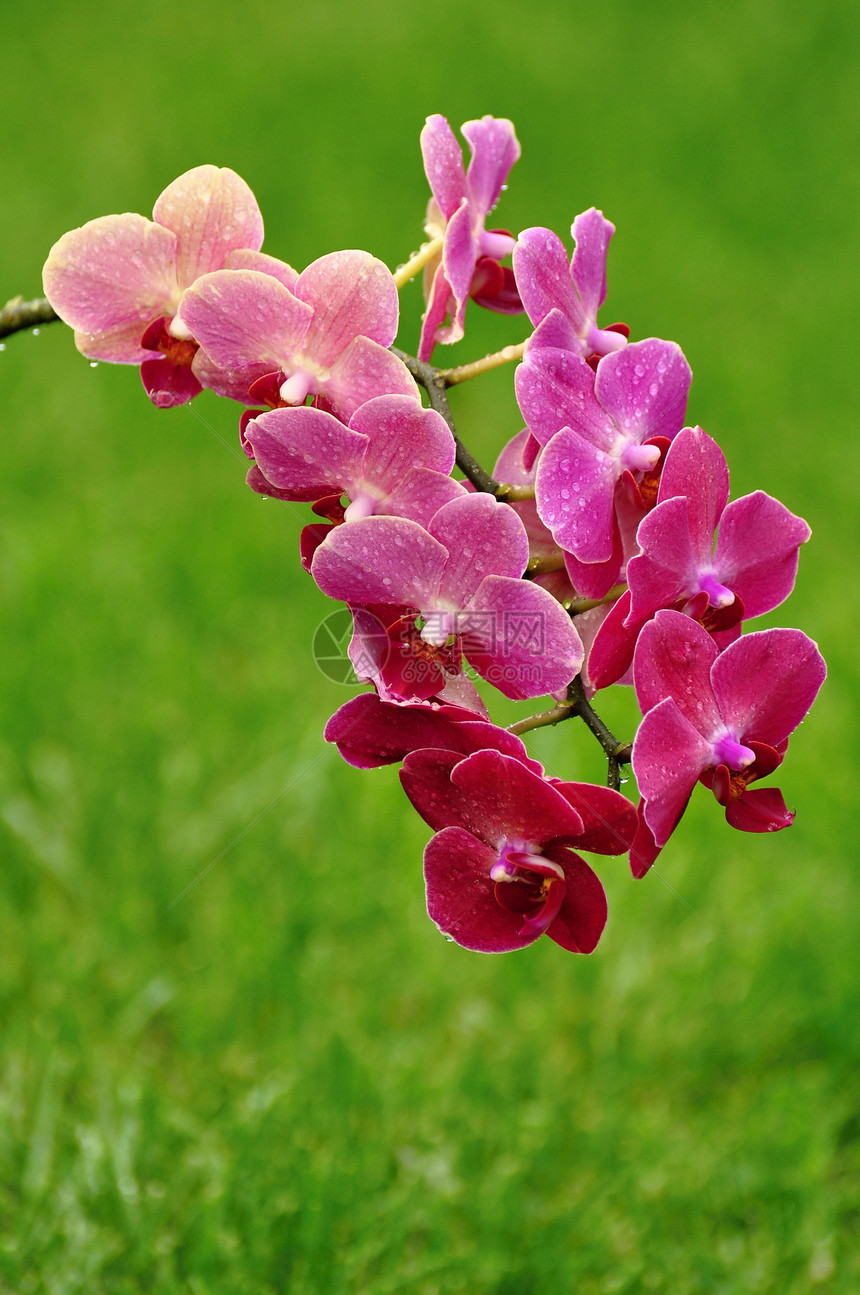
x=212, y=212
x=244, y=319
x=437, y=308
x=443, y=164
x=461, y=895
x=543, y=277
x=364, y=370
x=306, y=452
x=168, y=384
x=369, y=732
x=666, y=570
x=421, y=494
x=246, y=259
x=401, y=435
x=644, y=388
x=495, y=148
x=766, y=682
x=111, y=277
x=583, y=912
x=520, y=639
x=674, y=656
x=482, y=537
x=614, y=643
x=352, y=294
x=592, y=233
x=668, y=756
x=556, y=389
x=575, y=488
x=761, y=810
x=695, y=467
x=491, y=795
x=351, y=562
x=757, y=551
x=609, y=821
x=644, y=850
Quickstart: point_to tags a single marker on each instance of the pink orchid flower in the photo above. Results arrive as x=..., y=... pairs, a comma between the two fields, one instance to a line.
x=724, y=718
x=751, y=571
x=597, y=430
x=326, y=335
x=562, y=301
x=469, y=261
x=393, y=457
x=119, y=281
x=462, y=575
x=500, y=871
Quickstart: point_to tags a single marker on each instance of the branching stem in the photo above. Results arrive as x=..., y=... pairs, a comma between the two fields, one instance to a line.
x=576, y=703
x=18, y=315
x=436, y=383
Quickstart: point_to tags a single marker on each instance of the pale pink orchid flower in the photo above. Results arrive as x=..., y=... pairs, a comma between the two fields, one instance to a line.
x=119, y=281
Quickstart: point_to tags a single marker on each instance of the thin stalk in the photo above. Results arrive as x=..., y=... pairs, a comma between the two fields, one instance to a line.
x=416, y=263
x=463, y=372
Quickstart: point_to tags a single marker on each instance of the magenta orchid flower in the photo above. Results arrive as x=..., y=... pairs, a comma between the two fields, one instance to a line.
x=462, y=575
x=751, y=571
x=724, y=718
x=469, y=260
x=393, y=457
x=119, y=280
x=326, y=336
x=562, y=301
x=500, y=871
x=597, y=429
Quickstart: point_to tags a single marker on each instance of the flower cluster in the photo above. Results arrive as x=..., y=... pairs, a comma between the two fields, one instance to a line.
x=604, y=549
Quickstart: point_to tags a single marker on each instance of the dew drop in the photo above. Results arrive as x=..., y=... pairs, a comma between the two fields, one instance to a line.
x=36, y=332
x=94, y=364
x=653, y=389
x=2, y=346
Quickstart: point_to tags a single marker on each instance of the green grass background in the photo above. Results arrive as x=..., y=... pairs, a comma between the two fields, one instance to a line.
x=283, y=1078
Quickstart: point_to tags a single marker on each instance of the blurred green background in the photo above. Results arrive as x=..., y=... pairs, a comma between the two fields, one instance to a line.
x=235, y=1055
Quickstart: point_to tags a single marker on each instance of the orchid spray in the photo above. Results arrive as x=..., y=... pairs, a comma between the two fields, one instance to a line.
x=602, y=550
